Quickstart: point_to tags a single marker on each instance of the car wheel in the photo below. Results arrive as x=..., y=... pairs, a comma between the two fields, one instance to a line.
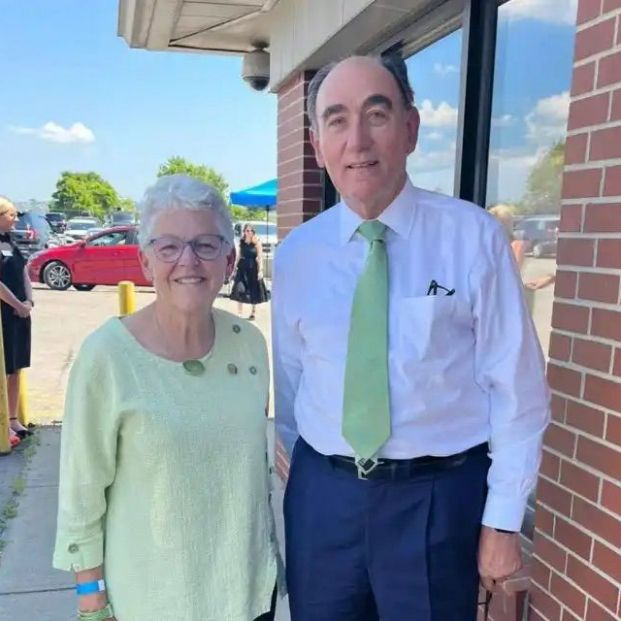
x=538, y=251
x=56, y=275
x=84, y=287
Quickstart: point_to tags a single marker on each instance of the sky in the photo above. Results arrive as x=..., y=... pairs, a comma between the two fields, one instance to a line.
x=77, y=98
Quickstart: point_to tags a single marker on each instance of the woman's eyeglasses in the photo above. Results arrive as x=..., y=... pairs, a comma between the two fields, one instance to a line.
x=169, y=248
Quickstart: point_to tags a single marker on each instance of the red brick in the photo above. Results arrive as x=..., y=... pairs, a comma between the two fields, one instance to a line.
x=580, y=481
x=609, y=253
x=611, y=5
x=566, y=381
x=560, y=439
x=571, y=597
x=558, y=405
x=533, y=615
x=596, y=521
x=544, y=522
x=554, y=497
x=584, y=418
x=615, y=112
x=589, y=111
x=573, y=538
x=603, y=392
x=593, y=583
x=613, y=433
x=570, y=317
x=599, y=287
x=616, y=365
x=568, y=616
x=606, y=323
x=560, y=346
x=607, y=560
x=298, y=163
x=603, y=218
x=566, y=284
x=612, y=181
x=609, y=71
x=582, y=183
x=588, y=10
x=550, y=465
x=611, y=497
x=571, y=217
x=596, y=613
x=576, y=252
x=583, y=82
x=595, y=39
x=606, y=143
x=576, y=149
x=540, y=574
x=592, y=354
x=546, y=605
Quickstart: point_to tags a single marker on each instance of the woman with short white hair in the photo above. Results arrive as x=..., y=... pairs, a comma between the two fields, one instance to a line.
x=164, y=501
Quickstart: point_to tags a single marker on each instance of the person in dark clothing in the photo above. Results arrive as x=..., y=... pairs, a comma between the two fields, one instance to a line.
x=16, y=305
x=248, y=285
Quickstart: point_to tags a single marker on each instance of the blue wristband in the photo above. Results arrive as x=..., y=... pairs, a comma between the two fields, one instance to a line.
x=88, y=588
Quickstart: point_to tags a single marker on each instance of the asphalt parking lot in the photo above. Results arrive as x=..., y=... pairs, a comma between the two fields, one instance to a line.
x=62, y=319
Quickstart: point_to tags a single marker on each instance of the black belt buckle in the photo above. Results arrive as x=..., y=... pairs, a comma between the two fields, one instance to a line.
x=365, y=466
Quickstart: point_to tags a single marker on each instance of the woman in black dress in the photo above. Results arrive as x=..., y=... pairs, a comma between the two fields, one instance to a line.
x=16, y=305
x=248, y=286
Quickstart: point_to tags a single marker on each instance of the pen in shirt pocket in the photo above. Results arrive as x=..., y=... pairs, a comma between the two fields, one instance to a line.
x=434, y=286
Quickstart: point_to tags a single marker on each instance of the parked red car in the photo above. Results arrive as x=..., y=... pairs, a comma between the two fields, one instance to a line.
x=103, y=259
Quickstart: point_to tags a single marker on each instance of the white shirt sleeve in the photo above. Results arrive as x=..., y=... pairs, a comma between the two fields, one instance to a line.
x=509, y=366
x=287, y=351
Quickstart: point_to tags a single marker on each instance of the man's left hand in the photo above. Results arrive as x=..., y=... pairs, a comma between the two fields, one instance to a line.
x=500, y=556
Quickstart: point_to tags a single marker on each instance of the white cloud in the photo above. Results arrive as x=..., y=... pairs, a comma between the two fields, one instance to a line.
x=555, y=11
x=506, y=120
x=547, y=121
x=426, y=161
x=434, y=136
x=442, y=116
x=444, y=70
x=508, y=172
x=53, y=132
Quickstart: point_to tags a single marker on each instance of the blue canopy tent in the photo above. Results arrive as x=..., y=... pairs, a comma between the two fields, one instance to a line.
x=263, y=195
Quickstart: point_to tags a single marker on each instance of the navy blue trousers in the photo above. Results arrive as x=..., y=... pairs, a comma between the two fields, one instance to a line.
x=391, y=550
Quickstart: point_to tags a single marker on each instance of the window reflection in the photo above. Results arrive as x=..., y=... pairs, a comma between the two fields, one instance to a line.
x=435, y=77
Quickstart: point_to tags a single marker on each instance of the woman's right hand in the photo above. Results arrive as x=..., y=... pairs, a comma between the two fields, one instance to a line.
x=23, y=310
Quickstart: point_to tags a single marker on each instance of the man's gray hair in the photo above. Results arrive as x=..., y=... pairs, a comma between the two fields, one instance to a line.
x=182, y=192
x=391, y=62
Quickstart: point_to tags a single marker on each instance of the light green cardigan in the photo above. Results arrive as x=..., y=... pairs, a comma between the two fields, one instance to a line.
x=164, y=479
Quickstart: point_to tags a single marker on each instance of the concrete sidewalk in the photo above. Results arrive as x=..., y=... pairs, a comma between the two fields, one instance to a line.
x=30, y=589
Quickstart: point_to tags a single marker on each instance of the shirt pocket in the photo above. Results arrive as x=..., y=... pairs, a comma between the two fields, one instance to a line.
x=430, y=328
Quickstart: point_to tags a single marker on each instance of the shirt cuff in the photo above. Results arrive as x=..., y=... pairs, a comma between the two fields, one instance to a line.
x=71, y=554
x=504, y=512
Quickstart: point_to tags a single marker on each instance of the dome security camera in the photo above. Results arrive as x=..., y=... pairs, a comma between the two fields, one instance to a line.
x=256, y=69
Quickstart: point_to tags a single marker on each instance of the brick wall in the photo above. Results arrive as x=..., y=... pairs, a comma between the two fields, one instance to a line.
x=576, y=573
x=300, y=186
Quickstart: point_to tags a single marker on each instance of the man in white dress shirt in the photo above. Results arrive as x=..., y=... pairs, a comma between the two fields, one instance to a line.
x=410, y=475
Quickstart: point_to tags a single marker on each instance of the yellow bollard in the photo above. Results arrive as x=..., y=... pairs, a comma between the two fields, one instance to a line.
x=5, y=444
x=22, y=404
x=127, y=298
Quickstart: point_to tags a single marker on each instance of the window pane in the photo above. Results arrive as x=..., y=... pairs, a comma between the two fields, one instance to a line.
x=435, y=77
x=534, y=58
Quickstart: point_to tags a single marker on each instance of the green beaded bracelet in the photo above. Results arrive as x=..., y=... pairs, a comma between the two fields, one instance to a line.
x=99, y=615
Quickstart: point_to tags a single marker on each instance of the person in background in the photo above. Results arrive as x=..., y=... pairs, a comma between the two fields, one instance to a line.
x=248, y=284
x=504, y=215
x=409, y=381
x=542, y=282
x=17, y=304
x=164, y=499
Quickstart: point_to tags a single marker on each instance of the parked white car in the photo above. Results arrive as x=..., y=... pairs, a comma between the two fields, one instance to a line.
x=81, y=228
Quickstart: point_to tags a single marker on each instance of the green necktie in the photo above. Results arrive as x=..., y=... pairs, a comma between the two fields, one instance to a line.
x=366, y=410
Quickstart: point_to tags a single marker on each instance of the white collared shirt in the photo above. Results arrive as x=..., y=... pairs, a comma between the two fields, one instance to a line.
x=463, y=369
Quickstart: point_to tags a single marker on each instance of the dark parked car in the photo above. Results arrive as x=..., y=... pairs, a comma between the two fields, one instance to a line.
x=57, y=221
x=31, y=233
x=541, y=233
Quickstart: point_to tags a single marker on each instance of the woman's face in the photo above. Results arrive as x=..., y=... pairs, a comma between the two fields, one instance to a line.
x=8, y=216
x=248, y=232
x=188, y=284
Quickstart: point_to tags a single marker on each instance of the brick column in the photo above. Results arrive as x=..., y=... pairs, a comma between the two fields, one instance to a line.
x=576, y=574
x=300, y=180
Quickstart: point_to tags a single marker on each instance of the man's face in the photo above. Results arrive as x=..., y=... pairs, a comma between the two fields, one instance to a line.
x=363, y=134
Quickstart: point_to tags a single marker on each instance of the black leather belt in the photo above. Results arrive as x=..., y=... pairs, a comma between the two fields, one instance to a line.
x=399, y=469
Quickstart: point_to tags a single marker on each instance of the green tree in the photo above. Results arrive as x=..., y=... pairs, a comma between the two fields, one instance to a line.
x=84, y=192
x=543, y=188
x=179, y=165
